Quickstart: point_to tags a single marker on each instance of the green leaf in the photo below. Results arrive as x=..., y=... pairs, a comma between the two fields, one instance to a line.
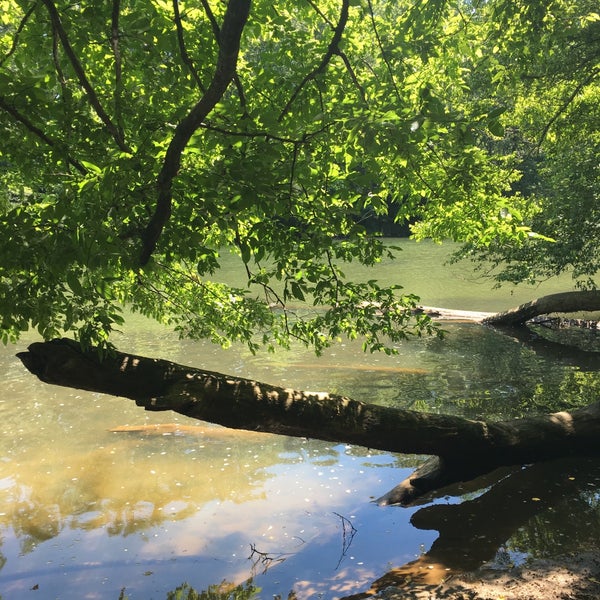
x=74, y=283
x=297, y=290
x=91, y=167
x=496, y=128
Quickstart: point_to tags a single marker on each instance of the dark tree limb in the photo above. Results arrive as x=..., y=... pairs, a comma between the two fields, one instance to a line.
x=217, y=33
x=464, y=448
x=512, y=442
x=18, y=32
x=82, y=77
x=185, y=57
x=32, y=128
x=357, y=84
x=115, y=45
x=234, y=21
x=565, y=105
x=382, y=51
x=267, y=135
x=332, y=50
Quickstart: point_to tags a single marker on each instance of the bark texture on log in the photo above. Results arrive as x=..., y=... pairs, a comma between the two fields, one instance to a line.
x=465, y=448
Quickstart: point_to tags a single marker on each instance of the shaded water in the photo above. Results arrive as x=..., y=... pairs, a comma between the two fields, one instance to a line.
x=86, y=512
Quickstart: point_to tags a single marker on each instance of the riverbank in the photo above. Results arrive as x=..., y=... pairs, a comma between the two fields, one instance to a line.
x=571, y=577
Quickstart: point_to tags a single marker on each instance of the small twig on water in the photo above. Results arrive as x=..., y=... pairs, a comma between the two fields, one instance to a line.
x=348, y=533
x=264, y=558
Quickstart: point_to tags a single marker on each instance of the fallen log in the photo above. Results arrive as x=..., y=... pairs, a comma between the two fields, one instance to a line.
x=565, y=302
x=464, y=448
x=451, y=314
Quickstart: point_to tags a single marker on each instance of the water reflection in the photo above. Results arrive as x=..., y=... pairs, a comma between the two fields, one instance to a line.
x=523, y=503
x=96, y=494
x=135, y=483
x=86, y=511
x=515, y=515
x=474, y=371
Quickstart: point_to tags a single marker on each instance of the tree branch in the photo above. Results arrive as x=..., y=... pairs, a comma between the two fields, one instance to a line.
x=565, y=105
x=18, y=33
x=266, y=134
x=359, y=87
x=62, y=80
x=332, y=50
x=185, y=57
x=83, y=80
x=383, y=56
x=39, y=133
x=565, y=302
x=321, y=14
x=341, y=54
x=114, y=42
x=234, y=20
x=217, y=33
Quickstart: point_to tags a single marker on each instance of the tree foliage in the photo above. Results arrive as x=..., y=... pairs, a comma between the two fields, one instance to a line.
x=551, y=90
x=140, y=144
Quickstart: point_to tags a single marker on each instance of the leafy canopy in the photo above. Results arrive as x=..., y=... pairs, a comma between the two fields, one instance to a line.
x=141, y=145
x=551, y=91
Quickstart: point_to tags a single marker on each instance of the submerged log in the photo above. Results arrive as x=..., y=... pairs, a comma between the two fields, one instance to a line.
x=464, y=448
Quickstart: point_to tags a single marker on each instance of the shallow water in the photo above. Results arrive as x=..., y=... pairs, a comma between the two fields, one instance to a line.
x=86, y=511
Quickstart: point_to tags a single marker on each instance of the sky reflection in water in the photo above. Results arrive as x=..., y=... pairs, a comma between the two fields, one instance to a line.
x=85, y=512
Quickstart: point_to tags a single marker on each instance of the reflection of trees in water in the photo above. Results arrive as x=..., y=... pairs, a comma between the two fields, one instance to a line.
x=571, y=527
x=558, y=389
x=479, y=373
x=220, y=591
x=585, y=338
x=473, y=371
x=140, y=481
x=132, y=485
x=576, y=389
x=546, y=510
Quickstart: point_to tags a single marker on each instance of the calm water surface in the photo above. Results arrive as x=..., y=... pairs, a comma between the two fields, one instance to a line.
x=86, y=511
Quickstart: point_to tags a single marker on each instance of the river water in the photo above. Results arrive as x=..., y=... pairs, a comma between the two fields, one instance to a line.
x=87, y=512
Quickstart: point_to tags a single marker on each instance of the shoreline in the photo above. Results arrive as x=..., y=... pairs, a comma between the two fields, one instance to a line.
x=568, y=577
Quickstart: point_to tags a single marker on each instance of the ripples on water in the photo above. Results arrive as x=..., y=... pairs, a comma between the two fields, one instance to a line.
x=86, y=511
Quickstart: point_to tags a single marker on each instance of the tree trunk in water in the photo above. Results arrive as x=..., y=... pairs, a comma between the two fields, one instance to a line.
x=565, y=302
x=464, y=448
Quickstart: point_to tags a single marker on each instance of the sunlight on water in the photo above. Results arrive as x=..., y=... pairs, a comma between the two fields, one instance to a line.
x=94, y=498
